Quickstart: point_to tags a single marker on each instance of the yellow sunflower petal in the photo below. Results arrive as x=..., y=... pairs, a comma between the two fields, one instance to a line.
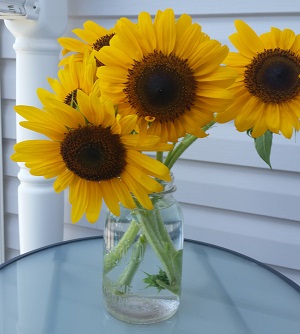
x=72, y=44
x=34, y=149
x=47, y=169
x=286, y=128
x=236, y=60
x=272, y=113
x=210, y=60
x=287, y=38
x=215, y=94
x=138, y=191
x=185, y=45
x=165, y=30
x=146, y=181
x=49, y=131
x=63, y=180
x=246, y=40
x=290, y=122
x=184, y=22
x=156, y=130
x=95, y=28
x=147, y=30
x=104, y=111
x=222, y=77
x=112, y=73
x=63, y=113
x=173, y=132
x=78, y=191
x=110, y=197
x=94, y=202
x=128, y=124
x=193, y=128
x=260, y=126
x=251, y=113
x=130, y=38
x=149, y=164
x=141, y=142
x=232, y=110
x=123, y=193
x=296, y=45
x=87, y=36
x=110, y=55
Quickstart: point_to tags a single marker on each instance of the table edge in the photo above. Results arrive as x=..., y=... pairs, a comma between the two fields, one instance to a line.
x=61, y=243
x=246, y=257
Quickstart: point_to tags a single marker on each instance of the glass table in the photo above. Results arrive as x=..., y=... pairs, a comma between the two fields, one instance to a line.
x=57, y=290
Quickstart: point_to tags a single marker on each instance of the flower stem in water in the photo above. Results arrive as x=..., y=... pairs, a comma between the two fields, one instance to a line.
x=112, y=258
x=136, y=258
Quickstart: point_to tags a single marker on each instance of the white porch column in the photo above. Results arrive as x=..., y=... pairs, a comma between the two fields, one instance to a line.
x=41, y=210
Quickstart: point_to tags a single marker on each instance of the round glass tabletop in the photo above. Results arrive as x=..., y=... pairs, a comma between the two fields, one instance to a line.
x=57, y=290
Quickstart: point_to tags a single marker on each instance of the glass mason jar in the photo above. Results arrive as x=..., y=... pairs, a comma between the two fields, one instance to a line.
x=143, y=260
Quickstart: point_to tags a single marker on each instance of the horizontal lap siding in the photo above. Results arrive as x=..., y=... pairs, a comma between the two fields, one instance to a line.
x=229, y=196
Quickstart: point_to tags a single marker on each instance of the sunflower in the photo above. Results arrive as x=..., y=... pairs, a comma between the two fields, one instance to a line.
x=167, y=72
x=267, y=90
x=91, y=39
x=72, y=77
x=92, y=152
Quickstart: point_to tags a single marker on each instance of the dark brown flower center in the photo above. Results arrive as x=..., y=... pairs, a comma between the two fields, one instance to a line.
x=161, y=87
x=273, y=75
x=102, y=41
x=93, y=153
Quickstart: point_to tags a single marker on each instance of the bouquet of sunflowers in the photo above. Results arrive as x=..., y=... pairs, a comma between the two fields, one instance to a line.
x=153, y=86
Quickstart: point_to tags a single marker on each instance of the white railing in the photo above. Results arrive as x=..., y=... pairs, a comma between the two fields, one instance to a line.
x=2, y=244
x=41, y=210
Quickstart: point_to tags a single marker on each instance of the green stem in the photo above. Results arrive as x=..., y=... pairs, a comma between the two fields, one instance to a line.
x=186, y=142
x=163, y=234
x=114, y=257
x=171, y=259
x=151, y=224
x=136, y=258
x=159, y=156
x=179, y=149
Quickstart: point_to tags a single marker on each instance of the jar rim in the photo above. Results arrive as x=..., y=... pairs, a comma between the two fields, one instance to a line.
x=169, y=187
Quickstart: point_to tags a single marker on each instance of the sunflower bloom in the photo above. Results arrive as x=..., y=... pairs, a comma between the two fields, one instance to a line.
x=90, y=39
x=93, y=153
x=167, y=72
x=74, y=76
x=267, y=90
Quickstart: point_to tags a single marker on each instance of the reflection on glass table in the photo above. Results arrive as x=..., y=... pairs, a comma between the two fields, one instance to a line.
x=57, y=290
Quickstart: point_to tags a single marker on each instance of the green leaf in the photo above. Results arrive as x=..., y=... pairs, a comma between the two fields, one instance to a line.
x=263, y=146
x=159, y=281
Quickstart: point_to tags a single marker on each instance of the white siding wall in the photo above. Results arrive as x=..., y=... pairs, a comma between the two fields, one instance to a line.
x=229, y=196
